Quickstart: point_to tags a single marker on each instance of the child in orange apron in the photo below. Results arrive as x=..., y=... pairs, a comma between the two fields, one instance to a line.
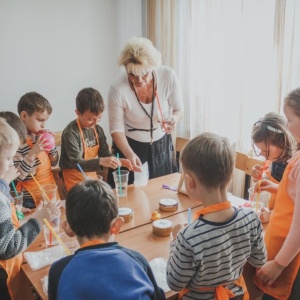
x=207, y=256
x=34, y=157
x=271, y=139
x=83, y=142
x=13, y=238
x=279, y=278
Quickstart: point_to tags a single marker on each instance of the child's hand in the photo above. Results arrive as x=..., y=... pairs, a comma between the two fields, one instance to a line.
x=53, y=209
x=268, y=186
x=265, y=215
x=177, y=228
x=11, y=174
x=36, y=148
x=50, y=210
x=25, y=210
x=256, y=172
x=126, y=163
x=269, y=272
x=109, y=162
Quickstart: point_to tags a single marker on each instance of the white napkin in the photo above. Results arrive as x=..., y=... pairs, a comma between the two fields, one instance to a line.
x=159, y=268
x=39, y=259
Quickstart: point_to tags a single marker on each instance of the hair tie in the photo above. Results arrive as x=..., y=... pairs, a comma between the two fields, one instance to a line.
x=274, y=129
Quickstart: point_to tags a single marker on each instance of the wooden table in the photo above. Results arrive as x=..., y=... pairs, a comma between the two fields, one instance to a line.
x=137, y=233
x=144, y=200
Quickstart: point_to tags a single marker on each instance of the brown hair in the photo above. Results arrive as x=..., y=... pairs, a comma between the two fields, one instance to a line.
x=89, y=99
x=90, y=208
x=272, y=130
x=211, y=158
x=16, y=123
x=34, y=102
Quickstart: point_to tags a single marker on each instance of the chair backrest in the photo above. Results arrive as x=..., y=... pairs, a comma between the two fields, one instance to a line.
x=245, y=163
x=180, y=143
x=57, y=135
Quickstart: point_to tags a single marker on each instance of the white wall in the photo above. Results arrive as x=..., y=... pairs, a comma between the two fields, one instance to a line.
x=58, y=47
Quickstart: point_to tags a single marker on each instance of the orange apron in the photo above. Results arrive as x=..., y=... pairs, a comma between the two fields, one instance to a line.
x=273, y=196
x=221, y=292
x=276, y=233
x=43, y=175
x=73, y=176
x=18, y=285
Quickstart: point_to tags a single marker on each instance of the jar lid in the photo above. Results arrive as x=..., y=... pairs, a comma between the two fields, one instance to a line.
x=123, y=211
x=162, y=224
x=168, y=202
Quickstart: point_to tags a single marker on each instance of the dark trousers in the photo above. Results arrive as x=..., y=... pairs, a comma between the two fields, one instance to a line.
x=160, y=157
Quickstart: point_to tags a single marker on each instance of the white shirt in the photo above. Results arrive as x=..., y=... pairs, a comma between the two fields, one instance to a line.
x=125, y=112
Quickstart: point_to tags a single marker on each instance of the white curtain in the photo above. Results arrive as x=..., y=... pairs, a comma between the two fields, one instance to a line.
x=236, y=60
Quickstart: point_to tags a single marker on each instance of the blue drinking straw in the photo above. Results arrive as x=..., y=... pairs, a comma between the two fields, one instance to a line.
x=14, y=187
x=80, y=169
x=189, y=215
x=119, y=173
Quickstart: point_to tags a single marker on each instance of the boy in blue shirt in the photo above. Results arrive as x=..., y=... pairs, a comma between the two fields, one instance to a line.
x=108, y=270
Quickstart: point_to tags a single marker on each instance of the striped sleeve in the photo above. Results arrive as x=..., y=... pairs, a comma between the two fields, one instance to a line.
x=53, y=156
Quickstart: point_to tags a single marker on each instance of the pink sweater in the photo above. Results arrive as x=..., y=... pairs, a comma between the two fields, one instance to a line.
x=291, y=246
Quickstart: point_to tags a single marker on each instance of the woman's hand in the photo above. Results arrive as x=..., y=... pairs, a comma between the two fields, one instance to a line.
x=135, y=162
x=126, y=163
x=268, y=186
x=269, y=272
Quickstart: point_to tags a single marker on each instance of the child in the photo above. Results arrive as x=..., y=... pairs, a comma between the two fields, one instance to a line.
x=15, y=122
x=31, y=158
x=207, y=256
x=83, y=141
x=273, y=140
x=14, y=239
x=279, y=278
x=109, y=271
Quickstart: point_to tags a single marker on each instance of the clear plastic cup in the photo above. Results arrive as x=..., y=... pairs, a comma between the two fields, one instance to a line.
x=50, y=239
x=121, y=182
x=18, y=199
x=70, y=242
x=263, y=196
x=51, y=192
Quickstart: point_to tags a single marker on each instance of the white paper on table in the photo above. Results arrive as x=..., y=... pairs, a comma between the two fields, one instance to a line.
x=39, y=259
x=236, y=201
x=159, y=268
x=45, y=284
x=141, y=178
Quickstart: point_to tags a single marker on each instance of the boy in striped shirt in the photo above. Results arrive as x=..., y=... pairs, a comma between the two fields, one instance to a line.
x=207, y=256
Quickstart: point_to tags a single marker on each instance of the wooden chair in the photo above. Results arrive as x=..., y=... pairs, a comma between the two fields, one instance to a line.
x=56, y=169
x=245, y=163
x=179, y=144
x=57, y=135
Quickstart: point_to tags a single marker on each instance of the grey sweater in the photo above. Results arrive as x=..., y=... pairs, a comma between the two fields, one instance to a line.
x=14, y=240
